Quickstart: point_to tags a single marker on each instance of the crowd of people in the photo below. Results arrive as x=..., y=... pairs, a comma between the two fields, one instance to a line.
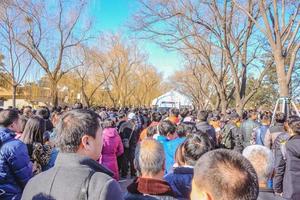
x=84, y=153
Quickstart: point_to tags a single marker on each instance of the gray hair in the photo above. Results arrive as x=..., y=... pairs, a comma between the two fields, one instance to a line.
x=262, y=160
x=149, y=157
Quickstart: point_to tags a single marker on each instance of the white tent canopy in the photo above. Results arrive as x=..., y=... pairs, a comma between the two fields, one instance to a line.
x=172, y=99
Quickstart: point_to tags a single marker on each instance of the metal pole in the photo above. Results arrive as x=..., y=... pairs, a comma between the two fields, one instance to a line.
x=295, y=107
x=273, y=117
x=283, y=105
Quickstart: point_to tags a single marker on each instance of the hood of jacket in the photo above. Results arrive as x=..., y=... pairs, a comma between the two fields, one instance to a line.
x=5, y=135
x=110, y=132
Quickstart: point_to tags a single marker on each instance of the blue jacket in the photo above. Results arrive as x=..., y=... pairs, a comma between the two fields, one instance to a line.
x=162, y=139
x=15, y=165
x=170, y=149
x=260, y=134
x=181, y=181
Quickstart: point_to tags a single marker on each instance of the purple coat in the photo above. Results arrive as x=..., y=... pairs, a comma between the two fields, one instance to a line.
x=112, y=147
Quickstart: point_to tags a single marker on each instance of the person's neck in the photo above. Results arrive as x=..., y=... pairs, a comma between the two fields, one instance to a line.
x=159, y=176
x=82, y=152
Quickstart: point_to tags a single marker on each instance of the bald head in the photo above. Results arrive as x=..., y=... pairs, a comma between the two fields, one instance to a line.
x=224, y=174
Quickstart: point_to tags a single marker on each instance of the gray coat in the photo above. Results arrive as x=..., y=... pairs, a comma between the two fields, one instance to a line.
x=69, y=177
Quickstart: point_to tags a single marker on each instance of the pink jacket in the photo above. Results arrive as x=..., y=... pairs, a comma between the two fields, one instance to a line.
x=112, y=147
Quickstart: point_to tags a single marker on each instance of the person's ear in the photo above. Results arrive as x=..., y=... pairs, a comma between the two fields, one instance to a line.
x=204, y=196
x=197, y=194
x=85, y=142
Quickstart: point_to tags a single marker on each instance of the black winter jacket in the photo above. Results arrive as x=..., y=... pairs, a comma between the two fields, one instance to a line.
x=291, y=181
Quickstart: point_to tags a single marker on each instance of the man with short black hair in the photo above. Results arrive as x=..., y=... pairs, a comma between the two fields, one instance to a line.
x=275, y=130
x=224, y=175
x=248, y=127
x=44, y=113
x=76, y=173
x=203, y=126
x=172, y=145
x=155, y=119
x=174, y=115
x=231, y=136
x=166, y=130
x=15, y=165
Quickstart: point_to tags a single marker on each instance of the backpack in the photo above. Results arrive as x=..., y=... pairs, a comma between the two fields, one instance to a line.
x=126, y=141
x=227, y=140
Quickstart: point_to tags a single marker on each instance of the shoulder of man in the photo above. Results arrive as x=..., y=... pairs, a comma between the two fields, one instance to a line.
x=104, y=187
x=13, y=148
x=37, y=184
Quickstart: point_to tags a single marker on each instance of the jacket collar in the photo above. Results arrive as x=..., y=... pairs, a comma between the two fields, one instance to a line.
x=150, y=186
x=183, y=170
x=6, y=134
x=74, y=159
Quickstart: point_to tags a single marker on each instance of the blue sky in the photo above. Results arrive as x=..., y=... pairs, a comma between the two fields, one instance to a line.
x=113, y=15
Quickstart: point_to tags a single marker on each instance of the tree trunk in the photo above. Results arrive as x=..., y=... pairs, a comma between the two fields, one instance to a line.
x=86, y=99
x=223, y=103
x=54, y=93
x=216, y=106
x=240, y=108
x=283, y=83
x=14, y=95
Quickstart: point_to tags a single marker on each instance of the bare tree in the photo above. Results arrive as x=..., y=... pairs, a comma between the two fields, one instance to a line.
x=16, y=60
x=235, y=40
x=51, y=34
x=122, y=59
x=92, y=74
x=183, y=35
x=280, y=25
x=148, y=85
x=212, y=32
